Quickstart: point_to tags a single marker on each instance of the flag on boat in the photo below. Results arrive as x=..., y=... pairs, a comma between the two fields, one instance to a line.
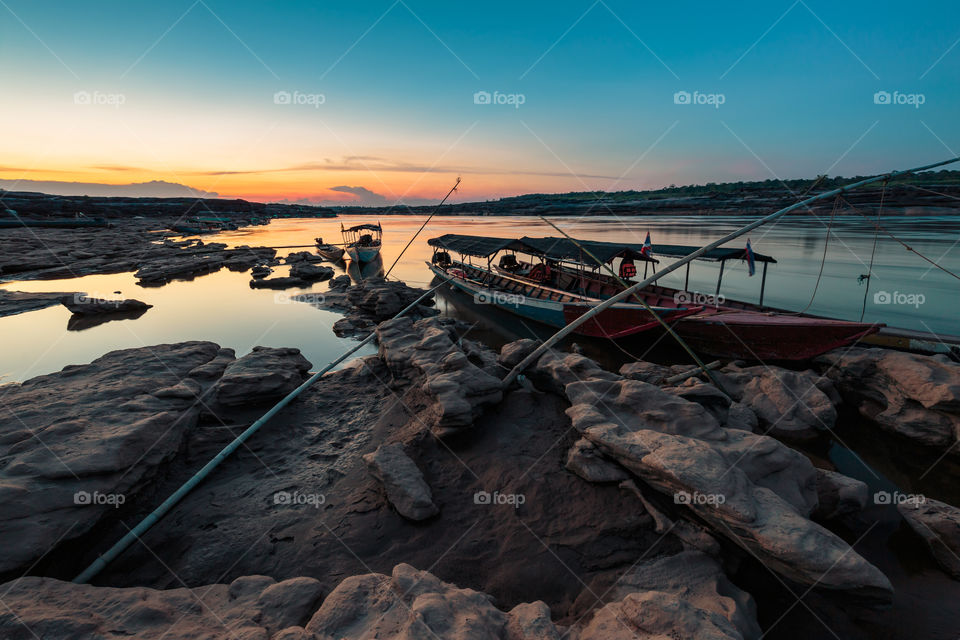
x=751, y=264
x=647, y=249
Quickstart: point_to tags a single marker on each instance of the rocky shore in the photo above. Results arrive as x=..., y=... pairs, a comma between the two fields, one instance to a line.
x=413, y=494
x=128, y=245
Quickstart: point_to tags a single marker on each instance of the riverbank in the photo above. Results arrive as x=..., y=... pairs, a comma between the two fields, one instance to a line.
x=601, y=503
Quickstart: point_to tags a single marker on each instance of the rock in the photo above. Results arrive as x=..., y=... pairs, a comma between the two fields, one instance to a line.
x=696, y=579
x=283, y=282
x=839, y=495
x=425, y=350
x=789, y=404
x=263, y=375
x=584, y=460
x=938, y=525
x=740, y=416
x=306, y=271
x=511, y=354
x=708, y=396
x=646, y=372
x=657, y=615
x=752, y=516
x=303, y=256
x=14, y=302
x=88, y=439
x=911, y=395
x=367, y=607
x=340, y=283
x=751, y=489
x=49, y=608
x=82, y=305
x=406, y=489
x=288, y=603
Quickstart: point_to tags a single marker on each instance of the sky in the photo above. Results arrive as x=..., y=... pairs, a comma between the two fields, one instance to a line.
x=382, y=102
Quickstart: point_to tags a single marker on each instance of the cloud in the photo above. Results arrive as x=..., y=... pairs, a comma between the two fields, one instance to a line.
x=152, y=189
x=365, y=197
x=375, y=164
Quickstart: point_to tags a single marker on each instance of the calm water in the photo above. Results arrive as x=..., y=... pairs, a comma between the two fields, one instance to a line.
x=222, y=308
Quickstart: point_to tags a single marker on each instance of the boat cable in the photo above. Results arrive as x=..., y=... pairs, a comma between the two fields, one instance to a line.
x=643, y=302
x=901, y=242
x=823, y=260
x=134, y=534
x=873, y=252
x=573, y=325
x=452, y=189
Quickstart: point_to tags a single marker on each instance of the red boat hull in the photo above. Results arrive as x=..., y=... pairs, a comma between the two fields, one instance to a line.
x=618, y=322
x=757, y=336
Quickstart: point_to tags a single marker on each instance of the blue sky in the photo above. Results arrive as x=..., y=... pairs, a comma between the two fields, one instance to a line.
x=796, y=79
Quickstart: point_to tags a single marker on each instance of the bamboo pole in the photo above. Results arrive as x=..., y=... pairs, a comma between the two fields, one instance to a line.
x=567, y=330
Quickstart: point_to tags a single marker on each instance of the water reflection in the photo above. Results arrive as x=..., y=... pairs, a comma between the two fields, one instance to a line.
x=222, y=308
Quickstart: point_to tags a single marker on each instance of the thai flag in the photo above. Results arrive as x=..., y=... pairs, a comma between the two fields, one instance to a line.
x=751, y=265
x=647, y=249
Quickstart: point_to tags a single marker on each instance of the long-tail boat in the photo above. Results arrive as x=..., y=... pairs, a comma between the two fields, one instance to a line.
x=525, y=296
x=716, y=326
x=362, y=246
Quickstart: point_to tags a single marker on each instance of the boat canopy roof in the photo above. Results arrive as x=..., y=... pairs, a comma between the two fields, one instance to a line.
x=720, y=254
x=360, y=227
x=565, y=249
x=477, y=246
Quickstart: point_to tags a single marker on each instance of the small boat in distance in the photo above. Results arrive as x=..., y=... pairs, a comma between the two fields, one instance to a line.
x=330, y=252
x=717, y=326
x=360, y=246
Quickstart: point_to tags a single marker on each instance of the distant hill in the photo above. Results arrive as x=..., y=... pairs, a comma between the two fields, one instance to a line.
x=928, y=193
